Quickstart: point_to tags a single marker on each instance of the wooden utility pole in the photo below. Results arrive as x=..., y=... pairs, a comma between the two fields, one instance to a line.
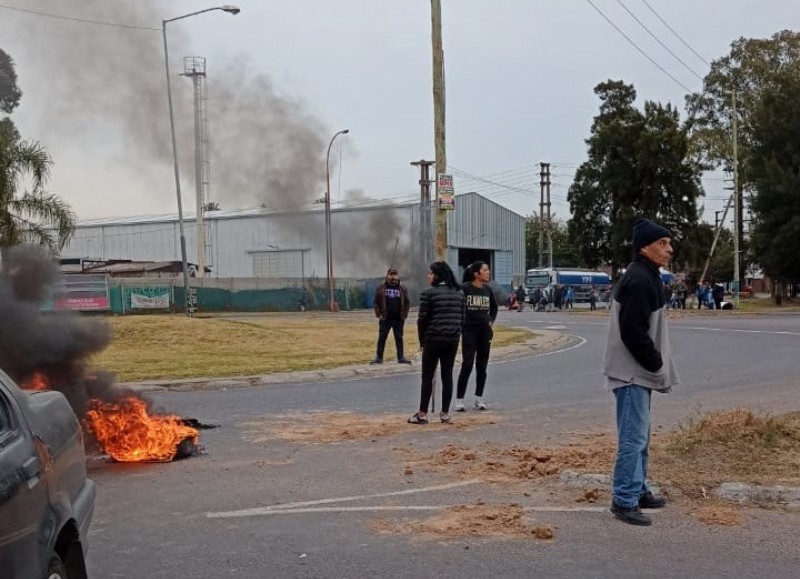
x=439, y=123
x=737, y=208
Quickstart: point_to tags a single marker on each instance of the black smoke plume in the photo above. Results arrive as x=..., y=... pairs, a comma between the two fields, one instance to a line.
x=55, y=345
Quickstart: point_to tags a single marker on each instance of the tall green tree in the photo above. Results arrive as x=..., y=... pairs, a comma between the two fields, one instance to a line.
x=28, y=213
x=639, y=165
x=750, y=68
x=564, y=252
x=774, y=172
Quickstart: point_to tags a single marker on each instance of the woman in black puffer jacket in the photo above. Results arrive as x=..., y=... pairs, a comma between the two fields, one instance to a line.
x=441, y=318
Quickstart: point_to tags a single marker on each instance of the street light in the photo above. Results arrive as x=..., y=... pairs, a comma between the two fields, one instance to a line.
x=184, y=265
x=332, y=305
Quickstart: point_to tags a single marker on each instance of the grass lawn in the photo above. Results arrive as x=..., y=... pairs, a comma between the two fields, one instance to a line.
x=174, y=346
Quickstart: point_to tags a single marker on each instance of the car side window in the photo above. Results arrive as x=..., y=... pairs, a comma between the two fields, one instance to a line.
x=6, y=425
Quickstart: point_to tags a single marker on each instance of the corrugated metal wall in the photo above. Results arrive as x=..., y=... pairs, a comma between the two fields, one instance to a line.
x=481, y=223
x=365, y=240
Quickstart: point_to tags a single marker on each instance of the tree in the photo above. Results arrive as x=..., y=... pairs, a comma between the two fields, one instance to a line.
x=774, y=172
x=34, y=215
x=639, y=166
x=9, y=95
x=749, y=69
x=695, y=249
x=564, y=253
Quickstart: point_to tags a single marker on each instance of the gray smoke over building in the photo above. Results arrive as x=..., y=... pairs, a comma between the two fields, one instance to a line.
x=266, y=149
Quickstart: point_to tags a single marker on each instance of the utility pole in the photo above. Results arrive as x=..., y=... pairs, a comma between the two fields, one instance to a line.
x=737, y=208
x=549, y=218
x=541, y=214
x=544, y=221
x=439, y=123
x=426, y=235
x=719, y=227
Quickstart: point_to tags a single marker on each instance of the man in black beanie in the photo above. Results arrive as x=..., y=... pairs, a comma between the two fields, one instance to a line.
x=638, y=361
x=391, y=308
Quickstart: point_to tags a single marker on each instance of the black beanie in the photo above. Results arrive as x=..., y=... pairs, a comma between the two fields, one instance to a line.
x=646, y=232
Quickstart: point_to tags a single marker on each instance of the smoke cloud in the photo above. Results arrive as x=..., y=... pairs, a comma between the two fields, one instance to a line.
x=267, y=150
x=55, y=345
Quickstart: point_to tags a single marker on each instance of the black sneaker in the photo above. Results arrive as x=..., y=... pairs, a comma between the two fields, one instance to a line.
x=650, y=501
x=631, y=515
x=376, y=361
x=403, y=361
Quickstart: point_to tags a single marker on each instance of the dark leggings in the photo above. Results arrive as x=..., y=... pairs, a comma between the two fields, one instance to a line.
x=433, y=353
x=475, y=346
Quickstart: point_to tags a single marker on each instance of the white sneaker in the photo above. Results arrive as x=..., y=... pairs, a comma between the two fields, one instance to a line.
x=459, y=407
x=479, y=404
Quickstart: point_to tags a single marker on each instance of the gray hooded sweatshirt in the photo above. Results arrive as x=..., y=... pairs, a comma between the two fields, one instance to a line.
x=637, y=348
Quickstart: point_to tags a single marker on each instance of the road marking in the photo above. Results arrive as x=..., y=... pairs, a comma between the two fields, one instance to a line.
x=397, y=508
x=775, y=332
x=288, y=506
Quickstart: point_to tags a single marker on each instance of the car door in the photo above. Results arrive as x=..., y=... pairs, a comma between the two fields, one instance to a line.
x=23, y=496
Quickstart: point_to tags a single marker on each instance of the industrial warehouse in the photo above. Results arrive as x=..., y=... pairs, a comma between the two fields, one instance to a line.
x=258, y=249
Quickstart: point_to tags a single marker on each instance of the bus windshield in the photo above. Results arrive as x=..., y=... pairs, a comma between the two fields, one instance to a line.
x=537, y=279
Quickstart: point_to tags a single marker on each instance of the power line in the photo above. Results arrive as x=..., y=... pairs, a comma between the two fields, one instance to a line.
x=657, y=39
x=85, y=21
x=637, y=47
x=678, y=36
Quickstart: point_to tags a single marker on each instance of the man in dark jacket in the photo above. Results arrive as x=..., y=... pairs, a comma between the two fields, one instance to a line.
x=391, y=309
x=638, y=361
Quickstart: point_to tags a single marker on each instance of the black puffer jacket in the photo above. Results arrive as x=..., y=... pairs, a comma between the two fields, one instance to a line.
x=441, y=314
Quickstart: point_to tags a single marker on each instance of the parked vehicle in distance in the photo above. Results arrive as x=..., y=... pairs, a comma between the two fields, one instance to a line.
x=581, y=281
x=46, y=500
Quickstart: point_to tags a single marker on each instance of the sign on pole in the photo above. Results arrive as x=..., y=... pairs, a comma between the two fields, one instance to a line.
x=445, y=192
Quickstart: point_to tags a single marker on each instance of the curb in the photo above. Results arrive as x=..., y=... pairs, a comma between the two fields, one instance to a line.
x=542, y=342
x=736, y=492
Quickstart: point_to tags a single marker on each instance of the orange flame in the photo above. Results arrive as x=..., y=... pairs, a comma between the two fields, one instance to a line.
x=36, y=382
x=129, y=434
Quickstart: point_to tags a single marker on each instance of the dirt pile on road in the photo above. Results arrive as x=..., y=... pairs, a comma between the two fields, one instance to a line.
x=333, y=427
x=465, y=521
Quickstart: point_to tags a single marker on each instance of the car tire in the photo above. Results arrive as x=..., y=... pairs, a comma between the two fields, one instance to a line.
x=56, y=568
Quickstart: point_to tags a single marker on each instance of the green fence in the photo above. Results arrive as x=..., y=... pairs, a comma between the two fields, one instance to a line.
x=141, y=298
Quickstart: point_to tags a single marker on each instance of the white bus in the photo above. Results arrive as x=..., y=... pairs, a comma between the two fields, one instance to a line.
x=581, y=281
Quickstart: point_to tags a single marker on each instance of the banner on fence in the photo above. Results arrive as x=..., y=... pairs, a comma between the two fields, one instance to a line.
x=153, y=302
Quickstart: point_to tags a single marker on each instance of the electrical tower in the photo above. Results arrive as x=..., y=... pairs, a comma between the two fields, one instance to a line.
x=194, y=67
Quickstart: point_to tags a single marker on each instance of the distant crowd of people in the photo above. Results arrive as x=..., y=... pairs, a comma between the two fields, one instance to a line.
x=558, y=297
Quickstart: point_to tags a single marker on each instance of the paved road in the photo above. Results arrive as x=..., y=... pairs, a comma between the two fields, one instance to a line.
x=184, y=519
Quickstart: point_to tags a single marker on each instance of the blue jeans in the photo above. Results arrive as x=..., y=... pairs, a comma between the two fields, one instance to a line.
x=633, y=436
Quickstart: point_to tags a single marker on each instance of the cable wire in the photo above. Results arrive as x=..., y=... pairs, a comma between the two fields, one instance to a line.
x=85, y=21
x=637, y=47
x=678, y=36
x=657, y=39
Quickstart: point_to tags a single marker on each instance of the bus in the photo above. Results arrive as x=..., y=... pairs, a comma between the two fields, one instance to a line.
x=581, y=281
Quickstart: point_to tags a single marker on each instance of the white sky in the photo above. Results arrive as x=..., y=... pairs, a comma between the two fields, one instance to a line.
x=519, y=76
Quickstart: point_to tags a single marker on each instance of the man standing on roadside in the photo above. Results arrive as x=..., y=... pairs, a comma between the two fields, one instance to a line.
x=391, y=309
x=638, y=361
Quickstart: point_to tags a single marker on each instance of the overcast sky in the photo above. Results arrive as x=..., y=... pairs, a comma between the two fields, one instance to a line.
x=283, y=77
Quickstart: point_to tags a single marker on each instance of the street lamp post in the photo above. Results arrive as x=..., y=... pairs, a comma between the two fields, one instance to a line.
x=332, y=305
x=184, y=263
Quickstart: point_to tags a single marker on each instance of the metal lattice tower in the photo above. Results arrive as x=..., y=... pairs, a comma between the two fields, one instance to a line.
x=194, y=67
